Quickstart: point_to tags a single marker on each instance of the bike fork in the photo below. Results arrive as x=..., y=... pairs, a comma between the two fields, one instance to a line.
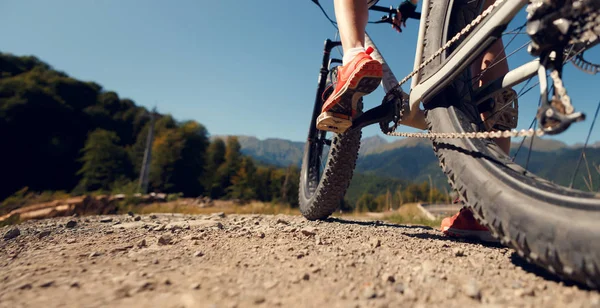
x=329, y=45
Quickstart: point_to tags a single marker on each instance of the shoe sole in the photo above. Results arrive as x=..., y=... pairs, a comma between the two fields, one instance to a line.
x=362, y=82
x=483, y=236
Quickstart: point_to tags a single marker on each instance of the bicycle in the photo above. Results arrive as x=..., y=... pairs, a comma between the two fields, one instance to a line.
x=546, y=223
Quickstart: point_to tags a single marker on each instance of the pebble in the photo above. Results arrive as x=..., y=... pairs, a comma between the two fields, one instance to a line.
x=153, y=216
x=47, y=284
x=472, y=290
x=282, y=221
x=95, y=254
x=105, y=220
x=74, y=284
x=130, y=213
x=159, y=228
x=195, y=286
x=261, y=234
x=12, y=233
x=309, y=231
x=306, y=276
x=71, y=224
x=388, y=278
x=458, y=252
x=399, y=288
x=44, y=234
x=375, y=242
x=369, y=293
x=141, y=243
x=137, y=218
x=71, y=241
x=259, y=300
x=165, y=240
x=198, y=253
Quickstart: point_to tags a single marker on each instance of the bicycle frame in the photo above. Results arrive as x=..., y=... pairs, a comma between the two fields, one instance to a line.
x=477, y=42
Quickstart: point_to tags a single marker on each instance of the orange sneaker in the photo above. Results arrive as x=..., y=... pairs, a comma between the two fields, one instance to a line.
x=355, y=79
x=464, y=225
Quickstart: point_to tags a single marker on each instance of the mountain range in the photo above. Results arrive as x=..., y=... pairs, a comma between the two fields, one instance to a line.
x=413, y=160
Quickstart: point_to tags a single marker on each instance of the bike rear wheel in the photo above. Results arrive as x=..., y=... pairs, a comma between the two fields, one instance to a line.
x=327, y=166
x=546, y=223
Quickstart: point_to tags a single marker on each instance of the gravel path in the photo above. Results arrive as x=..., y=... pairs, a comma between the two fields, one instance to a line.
x=261, y=260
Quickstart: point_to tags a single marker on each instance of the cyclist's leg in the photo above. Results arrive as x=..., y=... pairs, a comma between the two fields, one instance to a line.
x=498, y=69
x=463, y=224
x=359, y=74
x=352, y=17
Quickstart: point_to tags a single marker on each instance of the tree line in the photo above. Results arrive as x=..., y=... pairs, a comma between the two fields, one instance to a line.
x=62, y=134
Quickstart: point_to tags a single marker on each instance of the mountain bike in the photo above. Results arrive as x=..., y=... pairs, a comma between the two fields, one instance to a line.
x=552, y=225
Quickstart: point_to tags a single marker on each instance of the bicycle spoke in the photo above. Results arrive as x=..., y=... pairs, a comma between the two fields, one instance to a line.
x=587, y=139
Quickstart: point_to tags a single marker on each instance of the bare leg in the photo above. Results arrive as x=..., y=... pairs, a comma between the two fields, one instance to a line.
x=352, y=17
x=491, y=57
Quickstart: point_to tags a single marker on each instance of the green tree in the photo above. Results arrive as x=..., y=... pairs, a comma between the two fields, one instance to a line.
x=166, y=151
x=366, y=203
x=104, y=161
x=242, y=184
x=230, y=166
x=215, y=157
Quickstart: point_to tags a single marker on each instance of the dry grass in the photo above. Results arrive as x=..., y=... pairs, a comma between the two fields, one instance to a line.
x=409, y=214
x=227, y=207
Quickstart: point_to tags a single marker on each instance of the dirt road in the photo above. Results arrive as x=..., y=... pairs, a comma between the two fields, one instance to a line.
x=260, y=260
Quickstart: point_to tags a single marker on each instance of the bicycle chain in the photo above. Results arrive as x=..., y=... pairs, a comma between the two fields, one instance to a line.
x=466, y=135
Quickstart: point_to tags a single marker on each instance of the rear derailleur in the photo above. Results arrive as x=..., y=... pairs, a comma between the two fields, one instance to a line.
x=557, y=28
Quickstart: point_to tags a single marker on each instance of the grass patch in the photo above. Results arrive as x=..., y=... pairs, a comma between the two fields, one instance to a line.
x=227, y=207
x=409, y=214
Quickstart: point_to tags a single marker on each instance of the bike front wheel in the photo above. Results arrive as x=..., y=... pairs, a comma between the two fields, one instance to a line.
x=548, y=224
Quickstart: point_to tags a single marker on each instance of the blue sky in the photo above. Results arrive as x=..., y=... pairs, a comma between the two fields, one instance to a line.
x=238, y=67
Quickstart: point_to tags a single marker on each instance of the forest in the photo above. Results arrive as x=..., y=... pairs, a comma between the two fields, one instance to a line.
x=62, y=134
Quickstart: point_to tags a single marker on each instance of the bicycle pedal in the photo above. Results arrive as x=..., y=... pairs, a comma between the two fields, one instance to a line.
x=334, y=122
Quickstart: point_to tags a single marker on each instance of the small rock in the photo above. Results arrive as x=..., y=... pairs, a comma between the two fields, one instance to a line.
x=167, y=282
x=281, y=221
x=309, y=231
x=458, y=252
x=306, y=276
x=198, y=254
x=71, y=240
x=259, y=300
x=319, y=241
x=472, y=290
x=105, y=220
x=153, y=216
x=44, y=234
x=130, y=213
x=388, y=278
x=141, y=243
x=195, y=286
x=145, y=286
x=369, y=293
x=47, y=284
x=71, y=224
x=25, y=286
x=261, y=234
x=137, y=218
x=12, y=233
x=165, y=240
x=159, y=228
x=375, y=242
x=399, y=288
x=74, y=284
x=524, y=292
x=270, y=284
x=95, y=254
x=219, y=214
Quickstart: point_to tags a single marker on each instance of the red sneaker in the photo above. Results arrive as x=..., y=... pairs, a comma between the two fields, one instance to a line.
x=464, y=225
x=359, y=77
